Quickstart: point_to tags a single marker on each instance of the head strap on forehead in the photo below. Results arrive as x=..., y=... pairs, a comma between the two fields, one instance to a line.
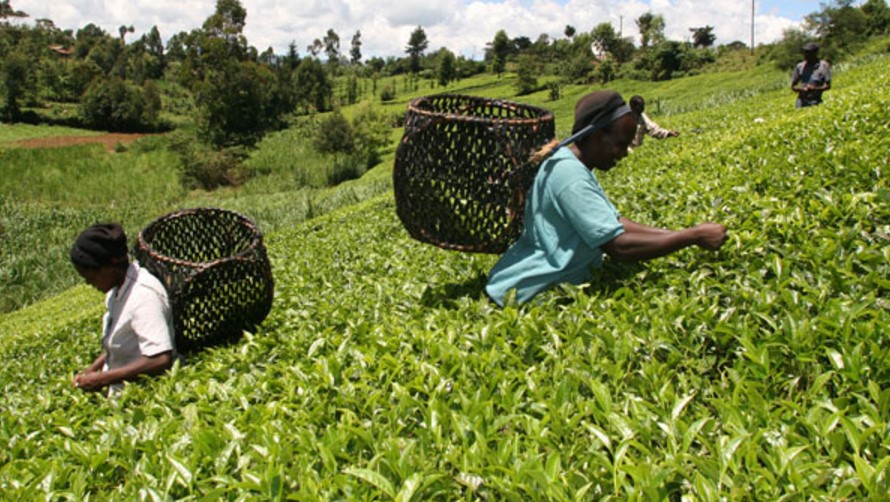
x=596, y=111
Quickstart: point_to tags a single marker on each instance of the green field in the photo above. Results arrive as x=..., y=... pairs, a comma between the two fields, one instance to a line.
x=761, y=372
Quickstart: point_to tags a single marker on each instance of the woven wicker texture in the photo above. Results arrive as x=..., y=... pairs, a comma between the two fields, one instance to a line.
x=462, y=171
x=216, y=271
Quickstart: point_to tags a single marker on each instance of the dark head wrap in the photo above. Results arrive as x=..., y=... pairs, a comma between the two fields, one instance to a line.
x=101, y=244
x=598, y=109
x=594, y=111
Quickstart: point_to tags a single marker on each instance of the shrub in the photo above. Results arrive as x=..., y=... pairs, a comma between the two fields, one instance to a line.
x=527, y=75
x=554, y=91
x=388, y=93
x=371, y=128
x=116, y=105
x=335, y=135
x=208, y=168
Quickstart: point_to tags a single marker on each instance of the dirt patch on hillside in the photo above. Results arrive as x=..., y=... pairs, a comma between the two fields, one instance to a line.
x=109, y=140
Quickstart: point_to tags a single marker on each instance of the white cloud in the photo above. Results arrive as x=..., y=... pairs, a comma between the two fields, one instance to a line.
x=464, y=26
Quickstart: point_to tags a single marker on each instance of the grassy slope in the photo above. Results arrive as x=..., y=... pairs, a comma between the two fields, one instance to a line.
x=48, y=195
x=759, y=371
x=20, y=132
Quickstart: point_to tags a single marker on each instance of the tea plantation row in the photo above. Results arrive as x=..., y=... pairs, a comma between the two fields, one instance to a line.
x=760, y=372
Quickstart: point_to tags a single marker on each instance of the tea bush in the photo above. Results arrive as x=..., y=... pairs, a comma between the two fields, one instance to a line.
x=759, y=372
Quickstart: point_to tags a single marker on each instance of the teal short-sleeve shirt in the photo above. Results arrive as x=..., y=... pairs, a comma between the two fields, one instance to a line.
x=568, y=218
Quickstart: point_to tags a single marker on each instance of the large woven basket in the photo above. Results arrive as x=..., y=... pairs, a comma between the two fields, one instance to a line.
x=462, y=169
x=216, y=271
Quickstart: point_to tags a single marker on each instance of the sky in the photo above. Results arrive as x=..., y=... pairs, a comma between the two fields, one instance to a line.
x=463, y=26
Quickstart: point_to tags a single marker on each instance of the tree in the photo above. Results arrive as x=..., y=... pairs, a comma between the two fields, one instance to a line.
x=335, y=135
x=521, y=44
x=15, y=79
x=735, y=45
x=331, y=43
x=372, y=133
x=155, y=61
x=527, y=73
x=355, y=51
x=417, y=43
x=224, y=32
x=703, y=37
x=86, y=39
x=238, y=99
x=313, y=89
x=541, y=47
x=123, y=30
x=606, y=39
x=786, y=52
x=651, y=28
x=878, y=15
x=6, y=12
x=315, y=48
x=569, y=31
x=176, y=46
x=840, y=25
x=447, y=68
x=114, y=104
x=292, y=59
x=500, y=49
x=236, y=104
x=663, y=61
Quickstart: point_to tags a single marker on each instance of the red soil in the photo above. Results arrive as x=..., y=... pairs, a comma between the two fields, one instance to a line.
x=110, y=140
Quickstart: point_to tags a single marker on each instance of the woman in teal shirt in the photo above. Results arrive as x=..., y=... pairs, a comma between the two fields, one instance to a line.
x=569, y=220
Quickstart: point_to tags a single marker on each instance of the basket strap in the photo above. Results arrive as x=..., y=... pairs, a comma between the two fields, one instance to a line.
x=599, y=124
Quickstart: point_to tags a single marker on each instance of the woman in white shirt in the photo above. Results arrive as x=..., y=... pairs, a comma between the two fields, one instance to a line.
x=645, y=125
x=137, y=329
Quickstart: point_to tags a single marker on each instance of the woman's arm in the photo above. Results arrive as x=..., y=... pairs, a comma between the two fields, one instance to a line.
x=97, y=364
x=144, y=365
x=656, y=131
x=631, y=226
x=641, y=242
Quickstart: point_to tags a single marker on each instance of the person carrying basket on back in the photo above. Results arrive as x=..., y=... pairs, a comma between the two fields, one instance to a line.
x=570, y=222
x=137, y=329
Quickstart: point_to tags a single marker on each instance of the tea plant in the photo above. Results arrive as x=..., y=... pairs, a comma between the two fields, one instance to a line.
x=759, y=372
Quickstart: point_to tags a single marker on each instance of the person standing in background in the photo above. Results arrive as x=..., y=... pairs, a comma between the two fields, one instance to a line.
x=811, y=77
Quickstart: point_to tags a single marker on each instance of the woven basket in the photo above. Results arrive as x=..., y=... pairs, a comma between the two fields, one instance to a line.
x=462, y=171
x=216, y=271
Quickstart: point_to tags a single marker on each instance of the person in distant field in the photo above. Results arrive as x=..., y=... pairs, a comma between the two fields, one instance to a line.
x=645, y=125
x=811, y=77
x=137, y=329
x=569, y=220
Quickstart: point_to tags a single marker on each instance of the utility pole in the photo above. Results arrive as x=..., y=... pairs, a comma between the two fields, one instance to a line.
x=620, y=26
x=752, y=27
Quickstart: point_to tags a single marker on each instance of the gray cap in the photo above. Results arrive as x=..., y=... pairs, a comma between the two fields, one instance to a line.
x=810, y=47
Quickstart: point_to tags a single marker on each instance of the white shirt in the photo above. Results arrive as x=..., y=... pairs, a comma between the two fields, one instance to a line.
x=138, y=321
x=647, y=126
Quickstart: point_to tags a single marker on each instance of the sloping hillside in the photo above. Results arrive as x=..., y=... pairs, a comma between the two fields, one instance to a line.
x=759, y=372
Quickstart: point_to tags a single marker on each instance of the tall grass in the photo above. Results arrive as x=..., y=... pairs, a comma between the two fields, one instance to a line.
x=19, y=132
x=88, y=175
